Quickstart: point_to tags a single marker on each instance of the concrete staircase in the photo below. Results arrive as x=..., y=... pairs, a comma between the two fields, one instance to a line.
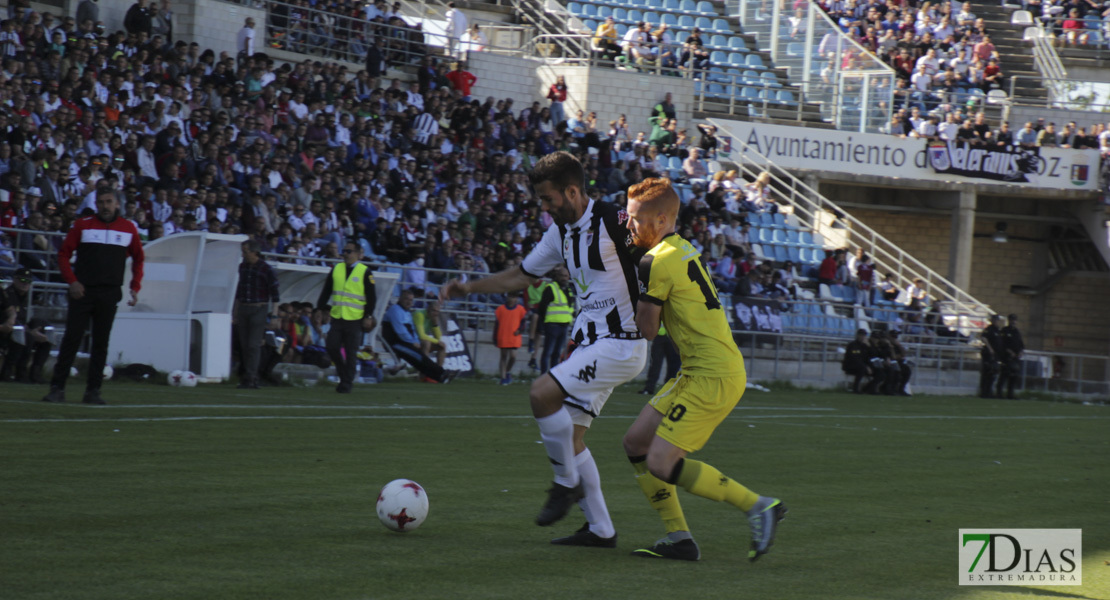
x=1016, y=55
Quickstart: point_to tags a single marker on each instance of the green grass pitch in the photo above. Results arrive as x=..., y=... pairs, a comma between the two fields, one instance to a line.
x=216, y=493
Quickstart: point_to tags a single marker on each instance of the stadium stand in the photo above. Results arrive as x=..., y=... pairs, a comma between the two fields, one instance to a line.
x=305, y=155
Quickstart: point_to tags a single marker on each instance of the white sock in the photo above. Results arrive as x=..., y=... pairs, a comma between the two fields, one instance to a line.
x=557, y=433
x=593, y=504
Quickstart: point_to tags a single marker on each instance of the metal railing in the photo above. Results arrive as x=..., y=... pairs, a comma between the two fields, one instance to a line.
x=552, y=19
x=854, y=88
x=1047, y=62
x=722, y=87
x=1068, y=94
x=346, y=37
x=424, y=280
x=841, y=230
x=24, y=253
x=1090, y=41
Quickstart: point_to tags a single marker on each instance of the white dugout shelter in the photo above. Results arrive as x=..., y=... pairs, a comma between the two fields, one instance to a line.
x=183, y=317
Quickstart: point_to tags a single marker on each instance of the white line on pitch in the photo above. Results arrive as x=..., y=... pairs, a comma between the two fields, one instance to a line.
x=483, y=417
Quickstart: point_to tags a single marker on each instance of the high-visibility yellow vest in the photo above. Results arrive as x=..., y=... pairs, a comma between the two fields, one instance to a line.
x=348, y=296
x=535, y=292
x=559, y=310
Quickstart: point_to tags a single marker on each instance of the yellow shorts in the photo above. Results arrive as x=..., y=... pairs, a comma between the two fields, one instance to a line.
x=693, y=406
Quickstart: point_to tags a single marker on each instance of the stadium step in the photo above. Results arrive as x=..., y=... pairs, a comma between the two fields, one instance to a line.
x=1016, y=55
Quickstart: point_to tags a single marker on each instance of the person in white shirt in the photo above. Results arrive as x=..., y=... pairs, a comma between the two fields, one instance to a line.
x=634, y=40
x=473, y=40
x=413, y=97
x=245, y=41
x=948, y=129
x=457, y=26
x=927, y=130
x=965, y=17
x=297, y=107
x=930, y=61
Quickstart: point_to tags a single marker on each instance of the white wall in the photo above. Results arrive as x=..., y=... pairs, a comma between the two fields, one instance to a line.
x=609, y=92
x=210, y=23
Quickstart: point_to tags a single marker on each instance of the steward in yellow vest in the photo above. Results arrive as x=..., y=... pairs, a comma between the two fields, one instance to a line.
x=556, y=312
x=349, y=292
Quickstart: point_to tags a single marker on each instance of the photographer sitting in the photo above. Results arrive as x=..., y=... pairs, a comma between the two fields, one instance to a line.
x=25, y=340
x=399, y=332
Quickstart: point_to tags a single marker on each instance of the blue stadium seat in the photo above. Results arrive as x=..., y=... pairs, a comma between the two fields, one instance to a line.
x=779, y=219
x=765, y=236
x=767, y=219
x=604, y=11
x=686, y=22
x=767, y=78
x=805, y=238
x=787, y=97
x=718, y=57
x=674, y=165
x=590, y=24
x=737, y=43
x=590, y=10
x=779, y=236
x=621, y=29
x=755, y=62
x=792, y=237
x=781, y=255
x=751, y=77
x=681, y=36
x=718, y=42
x=787, y=322
x=704, y=23
x=718, y=75
x=670, y=20
x=795, y=50
x=634, y=16
x=671, y=5
x=620, y=14
x=575, y=9
x=736, y=59
x=717, y=90
x=688, y=6
x=652, y=17
x=638, y=3
x=656, y=4
x=706, y=8
x=721, y=25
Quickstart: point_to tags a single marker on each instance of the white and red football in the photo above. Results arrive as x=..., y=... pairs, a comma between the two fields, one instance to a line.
x=402, y=505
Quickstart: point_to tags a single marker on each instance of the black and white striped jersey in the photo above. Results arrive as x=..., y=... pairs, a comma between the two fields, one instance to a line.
x=601, y=259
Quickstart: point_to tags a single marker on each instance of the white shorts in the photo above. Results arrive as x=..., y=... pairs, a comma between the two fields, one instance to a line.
x=591, y=372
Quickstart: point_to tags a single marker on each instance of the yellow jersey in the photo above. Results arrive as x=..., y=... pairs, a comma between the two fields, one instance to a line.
x=672, y=276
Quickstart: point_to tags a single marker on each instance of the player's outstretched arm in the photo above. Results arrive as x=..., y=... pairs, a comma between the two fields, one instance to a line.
x=648, y=316
x=508, y=280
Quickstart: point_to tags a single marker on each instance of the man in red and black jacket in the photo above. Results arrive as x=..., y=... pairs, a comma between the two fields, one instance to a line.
x=103, y=242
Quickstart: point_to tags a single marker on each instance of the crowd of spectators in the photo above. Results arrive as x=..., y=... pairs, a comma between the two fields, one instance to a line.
x=304, y=156
x=939, y=51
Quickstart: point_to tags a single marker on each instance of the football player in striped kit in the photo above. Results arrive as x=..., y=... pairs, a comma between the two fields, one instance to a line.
x=592, y=241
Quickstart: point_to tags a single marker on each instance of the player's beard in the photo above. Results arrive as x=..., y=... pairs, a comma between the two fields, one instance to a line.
x=564, y=215
x=644, y=236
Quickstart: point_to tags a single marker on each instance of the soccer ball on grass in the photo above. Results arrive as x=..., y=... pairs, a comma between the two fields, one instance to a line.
x=182, y=379
x=402, y=505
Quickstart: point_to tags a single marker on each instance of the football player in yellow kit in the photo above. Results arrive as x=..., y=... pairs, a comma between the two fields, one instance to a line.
x=675, y=289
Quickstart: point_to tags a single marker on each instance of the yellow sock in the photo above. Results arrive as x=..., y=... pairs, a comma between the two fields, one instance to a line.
x=662, y=497
x=706, y=481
